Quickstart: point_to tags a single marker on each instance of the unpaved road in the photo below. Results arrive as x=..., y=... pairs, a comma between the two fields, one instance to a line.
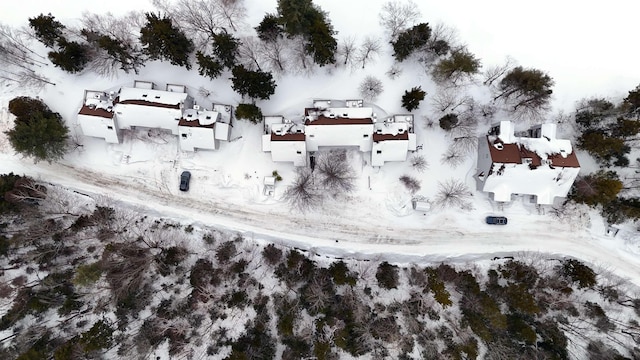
x=352, y=231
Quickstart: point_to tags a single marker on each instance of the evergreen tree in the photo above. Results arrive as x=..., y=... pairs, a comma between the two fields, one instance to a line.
x=208, y=66
x=71, y=56
x=255, y=84
x=602, y=146
x=270, y=28
x=296, y=15
x=461, y=63
x=301, y=17
x=249, y=112
x=633, y=100
x=122, y=53
x=163, y=41
x=449, y=121
x=410, y=41
x=321, y=44
x=529, y=88
x=48, y=30
x=40, y=134
x=601, y=187
x=411, y=99
x=225, y=48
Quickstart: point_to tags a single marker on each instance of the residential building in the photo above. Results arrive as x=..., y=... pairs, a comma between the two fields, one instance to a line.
x=350, y=125
x=534, y=163
x=106, y=114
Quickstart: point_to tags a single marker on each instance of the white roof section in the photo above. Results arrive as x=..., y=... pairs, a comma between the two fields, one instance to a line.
x=152, y=95
x=506, y=132
x=204, y=117
x=543, y=182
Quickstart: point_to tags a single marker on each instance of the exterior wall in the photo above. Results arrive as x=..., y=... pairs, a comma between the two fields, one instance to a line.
x=359, y=135
x=389, y=150
x=484, y=161
x=293, y=151
x=129, y=115
x=97, y=126
x=192, y=138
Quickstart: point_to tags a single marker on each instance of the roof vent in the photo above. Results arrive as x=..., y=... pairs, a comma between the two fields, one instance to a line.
x=498, y=146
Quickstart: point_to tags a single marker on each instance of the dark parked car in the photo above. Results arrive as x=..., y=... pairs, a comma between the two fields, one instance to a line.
x=496, y=220
x=185, y=177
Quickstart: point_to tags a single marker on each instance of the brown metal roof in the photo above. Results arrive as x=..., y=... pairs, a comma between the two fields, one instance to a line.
x=288, y=137
x=194, y=123
x=513, y=154
x=146, y=103
x=324, y=120
x=86, y=110
x=382, y=137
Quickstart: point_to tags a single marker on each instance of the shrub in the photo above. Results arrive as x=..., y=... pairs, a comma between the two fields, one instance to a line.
x=225, y=252
x=272, y=254
x=340, y=274
x=249, y=112
x=387, y=276
x=411, y=99
x=87, y=274
x=448, y=122
x=98, y=337
x=412, y=184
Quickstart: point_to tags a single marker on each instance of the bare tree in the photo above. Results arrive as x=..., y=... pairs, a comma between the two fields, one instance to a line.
x=251, y=51
x=276, y=55
x=452, y=157
x=493, y=73
x=449, y=99
x=367, y=51
x=119, y=33
x=18, y=63
x=453, y=193
x=301, y=62
x=370, y=88
x=126, y=266
x=347, y=49
x=419, y=163
x=336, y=176
x=302, y=194
x=394, y=72
x=201, y=19
x=395, y=16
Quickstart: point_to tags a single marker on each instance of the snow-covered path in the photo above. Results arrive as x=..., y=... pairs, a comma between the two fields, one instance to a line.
x=353, y=236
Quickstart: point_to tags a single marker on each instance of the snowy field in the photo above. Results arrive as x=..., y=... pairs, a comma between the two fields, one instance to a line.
x=376, y=220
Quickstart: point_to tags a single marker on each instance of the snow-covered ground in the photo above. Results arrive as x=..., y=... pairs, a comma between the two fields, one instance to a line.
x=374, y=221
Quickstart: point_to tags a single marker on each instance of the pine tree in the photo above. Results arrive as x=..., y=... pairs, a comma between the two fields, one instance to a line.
x=411, y=99
x=410, y=41
x=208, y=66
x=225, y=48
x=529, y=88
x=249, y=112
x=461, y=63
x=122, y=53
x=40, y=134
x=71, y=57
x=321, y=44
x=163, y=41
x=254, y=84
x=597, y=188
x=48, y=30
x=270, y=28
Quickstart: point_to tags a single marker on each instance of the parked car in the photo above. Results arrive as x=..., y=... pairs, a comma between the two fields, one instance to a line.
x=496, y=220
x=185, y=177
